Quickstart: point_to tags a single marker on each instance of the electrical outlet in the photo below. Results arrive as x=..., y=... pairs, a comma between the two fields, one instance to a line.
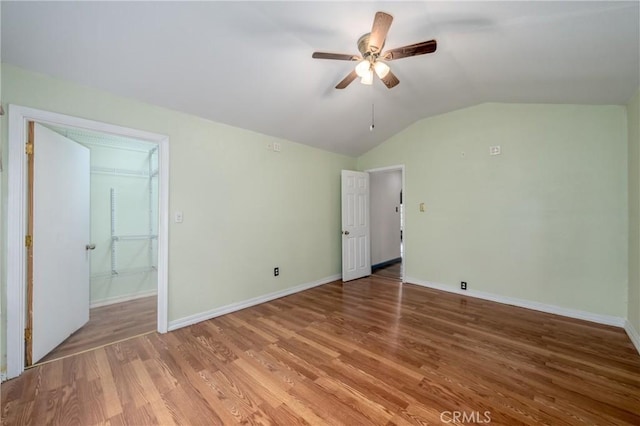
x=276, y=271
x=463, y=285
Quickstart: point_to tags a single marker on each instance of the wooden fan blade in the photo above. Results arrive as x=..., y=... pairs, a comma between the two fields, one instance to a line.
x=410, y=50
x=379, y=30
x=347, y=80
x=390, y=80
x=338, y=56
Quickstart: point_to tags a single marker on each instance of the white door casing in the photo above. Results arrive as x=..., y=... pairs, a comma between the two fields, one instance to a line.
x=61, y=231
x=16, y=218
x=356, y=245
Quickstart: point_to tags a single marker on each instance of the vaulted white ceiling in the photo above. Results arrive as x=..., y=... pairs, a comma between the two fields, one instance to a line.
x=248, y=64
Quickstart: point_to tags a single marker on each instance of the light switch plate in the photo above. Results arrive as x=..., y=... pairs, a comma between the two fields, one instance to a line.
x=178, y=217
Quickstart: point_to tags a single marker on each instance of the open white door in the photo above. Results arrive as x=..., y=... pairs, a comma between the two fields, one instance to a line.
x=356, y=257
x=61, y=232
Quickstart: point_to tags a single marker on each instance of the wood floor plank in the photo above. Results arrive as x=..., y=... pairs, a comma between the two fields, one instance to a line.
x=371, y=351
x=356, y=399
x=294, y=362
x=225, y=399
x=109, y=390
x=109, y=324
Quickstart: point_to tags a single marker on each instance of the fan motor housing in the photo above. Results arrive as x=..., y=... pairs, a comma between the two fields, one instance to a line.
x=363, y=46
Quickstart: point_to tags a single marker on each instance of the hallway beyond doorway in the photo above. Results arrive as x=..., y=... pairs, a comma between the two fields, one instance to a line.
x=393, y=271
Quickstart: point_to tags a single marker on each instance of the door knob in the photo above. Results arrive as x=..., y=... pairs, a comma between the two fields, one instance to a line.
x=90, y=246
x=345, y=232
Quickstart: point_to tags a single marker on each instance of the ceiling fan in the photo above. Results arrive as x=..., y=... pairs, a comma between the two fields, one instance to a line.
x=372, y=59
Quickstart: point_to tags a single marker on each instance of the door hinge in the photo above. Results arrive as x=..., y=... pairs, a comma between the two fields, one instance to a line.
x=28, y=241
x=27, y=334
x=29, y=149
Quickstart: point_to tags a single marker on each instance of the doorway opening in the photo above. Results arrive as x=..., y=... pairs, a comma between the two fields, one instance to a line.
x=387, y=222
x=124, y=230
x=19, y=117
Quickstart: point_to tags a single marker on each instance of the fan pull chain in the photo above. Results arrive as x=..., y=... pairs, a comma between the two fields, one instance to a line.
x=372, y=117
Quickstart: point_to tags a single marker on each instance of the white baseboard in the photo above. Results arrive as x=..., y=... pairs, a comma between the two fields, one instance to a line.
x=3, y=376
x=633, y=334
x=523, y=303
x=118, y=299
x=223, y=310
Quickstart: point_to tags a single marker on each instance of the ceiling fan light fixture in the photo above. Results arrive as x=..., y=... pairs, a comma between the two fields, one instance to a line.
x=372, y=58
x=381, y=68
x=363, y=68
x=367, y=78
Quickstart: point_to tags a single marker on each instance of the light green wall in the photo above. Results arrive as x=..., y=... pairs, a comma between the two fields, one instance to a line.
x=3, y=310
x=633, y=124
x=246, y=209
x=545, y=221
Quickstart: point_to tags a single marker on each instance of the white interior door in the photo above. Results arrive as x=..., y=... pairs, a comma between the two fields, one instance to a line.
x=356, y=256
x=61, y=232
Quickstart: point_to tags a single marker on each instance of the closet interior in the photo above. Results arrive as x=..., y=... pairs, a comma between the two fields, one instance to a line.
x=124, y=230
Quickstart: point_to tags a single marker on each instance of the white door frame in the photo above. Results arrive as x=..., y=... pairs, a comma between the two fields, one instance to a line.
x=399, y=167
x=16, y=218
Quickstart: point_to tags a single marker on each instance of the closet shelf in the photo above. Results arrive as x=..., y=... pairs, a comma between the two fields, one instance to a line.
x=124, y=272
x=133, y=237
x=119, y=172
x=152, y=232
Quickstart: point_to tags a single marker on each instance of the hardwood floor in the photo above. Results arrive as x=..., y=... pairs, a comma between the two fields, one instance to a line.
x=109, y=324
x=393, y=271
x=371, y=351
